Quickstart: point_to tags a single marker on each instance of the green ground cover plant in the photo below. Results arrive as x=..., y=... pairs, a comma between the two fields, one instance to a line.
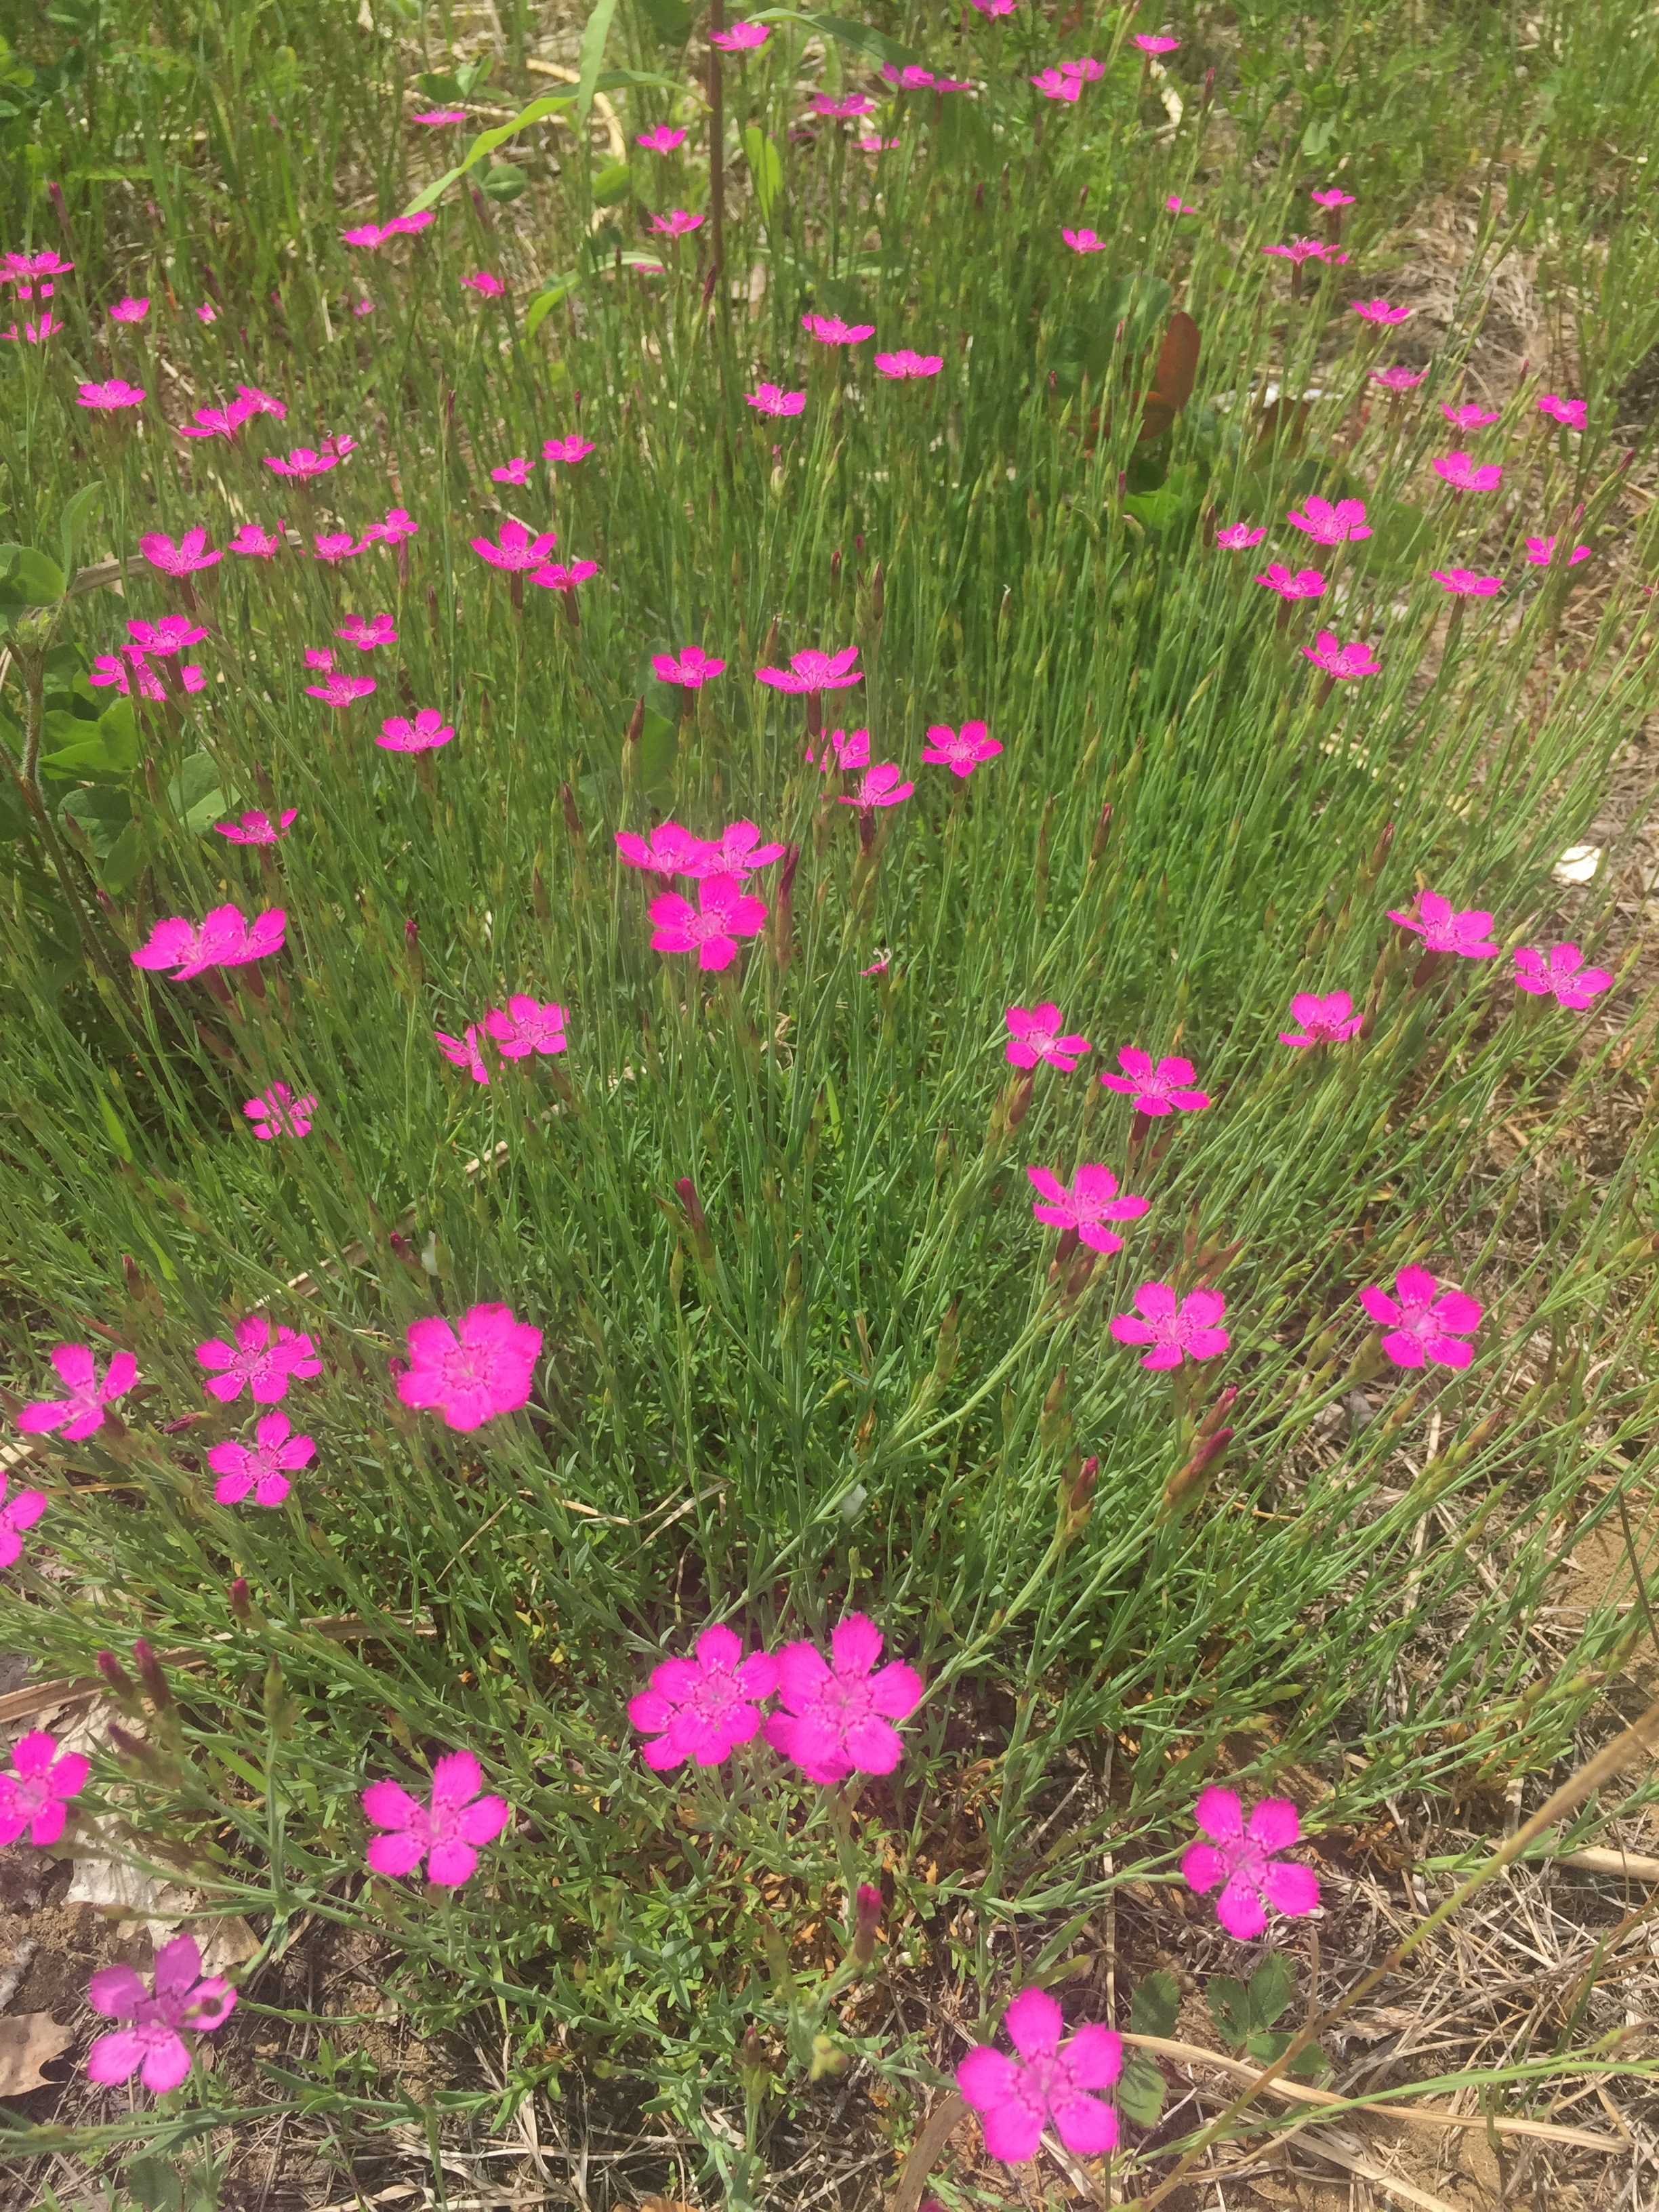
x=919, y=937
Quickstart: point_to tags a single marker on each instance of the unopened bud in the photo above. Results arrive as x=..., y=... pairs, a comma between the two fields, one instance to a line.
x=150, y=1674
x=572, y=819
x=868, y=1920
x=1102, y=829
x=1187, y=1482
x=1019, y=1104
x=121, y=1684
x=1218, y=1414
x=636, y=723
x=241, y=1605
x=411, y=935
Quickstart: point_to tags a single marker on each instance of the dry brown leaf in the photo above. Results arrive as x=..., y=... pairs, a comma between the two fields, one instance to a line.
x=27, y=2043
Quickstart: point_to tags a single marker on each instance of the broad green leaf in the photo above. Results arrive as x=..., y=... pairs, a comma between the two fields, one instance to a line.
x=544, y=302
x=670, y=19
x=765, y=168
x=503, y=182
x=194, y=794
x=612, y=183
x=592, y=59
x=40, y=579
x=1140, y=2090
x=485, y=143
x=660, y=740
x=1312, y=2065
x=1155, y=2005
x=1229, y=2007
x=103, y=816
x=1270, y=1990
x=109, y=746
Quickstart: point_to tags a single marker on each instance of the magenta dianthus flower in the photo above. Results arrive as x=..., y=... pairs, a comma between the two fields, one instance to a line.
x=515, y=472
x=724, y=913
x=830, y=329
x=448, y=1833
x=1398, y=378
x=1467, y=416
x=129, y=311
x=661, y=139
x=339, y=689
x=334, y=546
x=1016, y=2098
x=399, y=734
x=846, y=749
x=1053, y=84
x=225, y=937
x=183, y=559
x=436, y=118
x=569, y=449
x=741, y=38
x=263, y=1467
x=485, y=282
x=1164, y=1089
x=172, y=634
x=773, y=399
x=1084, y=240
x=1345, y=662
x=670, y=851
x=1033, y=1035
x=1092, y=1200
x=82, y=1414
x=1463, y=473
x=527, y=1025
x=1557, y=974
x=152, y=2046
x=564, y=576
x=1443, y=930
x=1379, y=311
x=692, y=668
x=814, y=671
x=254, y=543
x=854, y=104
x=399, y=527
x=1238, y=1860
x=1332, y=197
x=1292, y=584
x=898, y=366
x=1177, y=1328
x=1468, y=583
x=884, y=785
x=482, y=1366
x=1155, y=44
x=837, y=1714
x=115, y=392
x=1239, y=537
x=1572, y=414
x=960, y=750
x=518, y=550
x=366, y=631
x=679, y=222
x=34, y=1796
x=737, y=851
x=465, y=1051
x=1423, y=1323
x=1298, y=250
x=1329, y=1020
x=1329, y=524
x=277, y=1113
x=702, y=1709
x=266, y=1366
x=17, y=1514
x=1540, y=551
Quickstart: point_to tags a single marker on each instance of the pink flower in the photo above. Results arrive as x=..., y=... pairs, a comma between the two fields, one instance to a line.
x=1332, y=197
x=1399, y=378
x=152, y=2046
x=906, y=363
x=1556, y=974
x=702, y=1709
x=1466, y=583
x=814, y=671
x=303, y=462
x=255, y=544
x=35, y=1794
x=960, y=750
x=1090, y=1200
x=1540, y=551
x=1052, y=86
x=677, y=222
x=117, y=392
x=1423, y=1322
x=1463, y=473
x=33, y=333
x=557, y=576
x=994, y=7
x=1177, y=205
x=527, y=1026
x=1330, y=1020
x=335, y=546
x=837, y=1714
x=399, y=527
x=1330, y=525
x=880, y=786
x=669, y=852
x=1177, y=1328
x=214, y=422
x=446, y=1834
x=225, y=937
x=110, y=672
x=265, y=1366
x=1298, y=250
x=1155, y=45
x=1345, y=662
x=319, y=656
x=845, y=749
x=1442, y=930
x=1379, y=311
x=82, y=1414
x=183, y=559
x=129, y=311
x=1238, y=1860
x=368, y=235
x=515, y=472
x=572, y=449
x=1239, y=537
x=1302, y=584
x=366, y=631
x=517, y=550
x=829, y=330
x=772, y=400
x=481, y=1368
x=736, y=852
x=1049, y=2080
x=1085, y=241
x=17, y=1514
x=436, y=117
x=277, y=1113
x=877, y=145
x=1034, y=1034
x=1471, y=416
x=855, y=103
x=1572, y=413
x=725, y=912
x=464, y=1051
x=172, y=634
x=1085, y=69
x=256, y=828
x=692, y=668
x=741, y=38
x=263, y=1467
x=484, y=281
x=250, y=401
x=661, y=140
x=1165, y=1089
x=339, y=689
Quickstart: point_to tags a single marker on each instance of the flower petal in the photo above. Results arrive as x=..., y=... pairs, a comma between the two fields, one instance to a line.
x=1034, y=2023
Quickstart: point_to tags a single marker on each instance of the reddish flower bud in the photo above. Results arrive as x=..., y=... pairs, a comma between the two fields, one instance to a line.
x=869, y=1919
x=150, y=1674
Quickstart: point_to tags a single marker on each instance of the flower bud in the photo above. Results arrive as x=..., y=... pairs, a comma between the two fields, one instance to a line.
x=868, y=1920
x=121, y=1684
x=1188, y=1483
x=241, y=1605
x=1019, y=1102
x=150, y=1674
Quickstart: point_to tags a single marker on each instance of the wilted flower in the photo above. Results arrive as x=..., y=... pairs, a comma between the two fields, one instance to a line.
x=266, y=1366
x=741, y=38
x=725, y=912
x=814, y=671
x=1164, y=1089
x=277, y=1113
x=837, y=1714
x=1443, y=930
x=224, y=938
x=1085, y=241
x=1572, y=413
x=677, y=222
x=464, y=1051
x=702, y=1709
x=482, y=1366
x=448, y=1833
x=1540, y=551
x=526, y=1026
x=152, y=2046
x=1016, y=2098
x=115, y=392
x=1177, y=205
x=1329, y=524
x=692, y=668
x=564, y=576
x=484, y=281
x=854, y=103
x=519, y=549
x=1556, y=974
x=1423, y=1323
x=1034, y=1034
x=1379, y=311
x=1345, y=662
x=1239, y=537
x=17, y=1514
x=1466, y=583
x=903, y=364
x=772, y=400
x=1298, y=584
x=183, y=559
x=1081, y=1209
x=436, y=117
x=1238, y=1860
x=1177, y=1328
x=263, y=1467
x=1329, y=1020
x=960, y=750
x=1464, y=474
x=34, y=1796
x=660, y=140
x=82, y=1414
